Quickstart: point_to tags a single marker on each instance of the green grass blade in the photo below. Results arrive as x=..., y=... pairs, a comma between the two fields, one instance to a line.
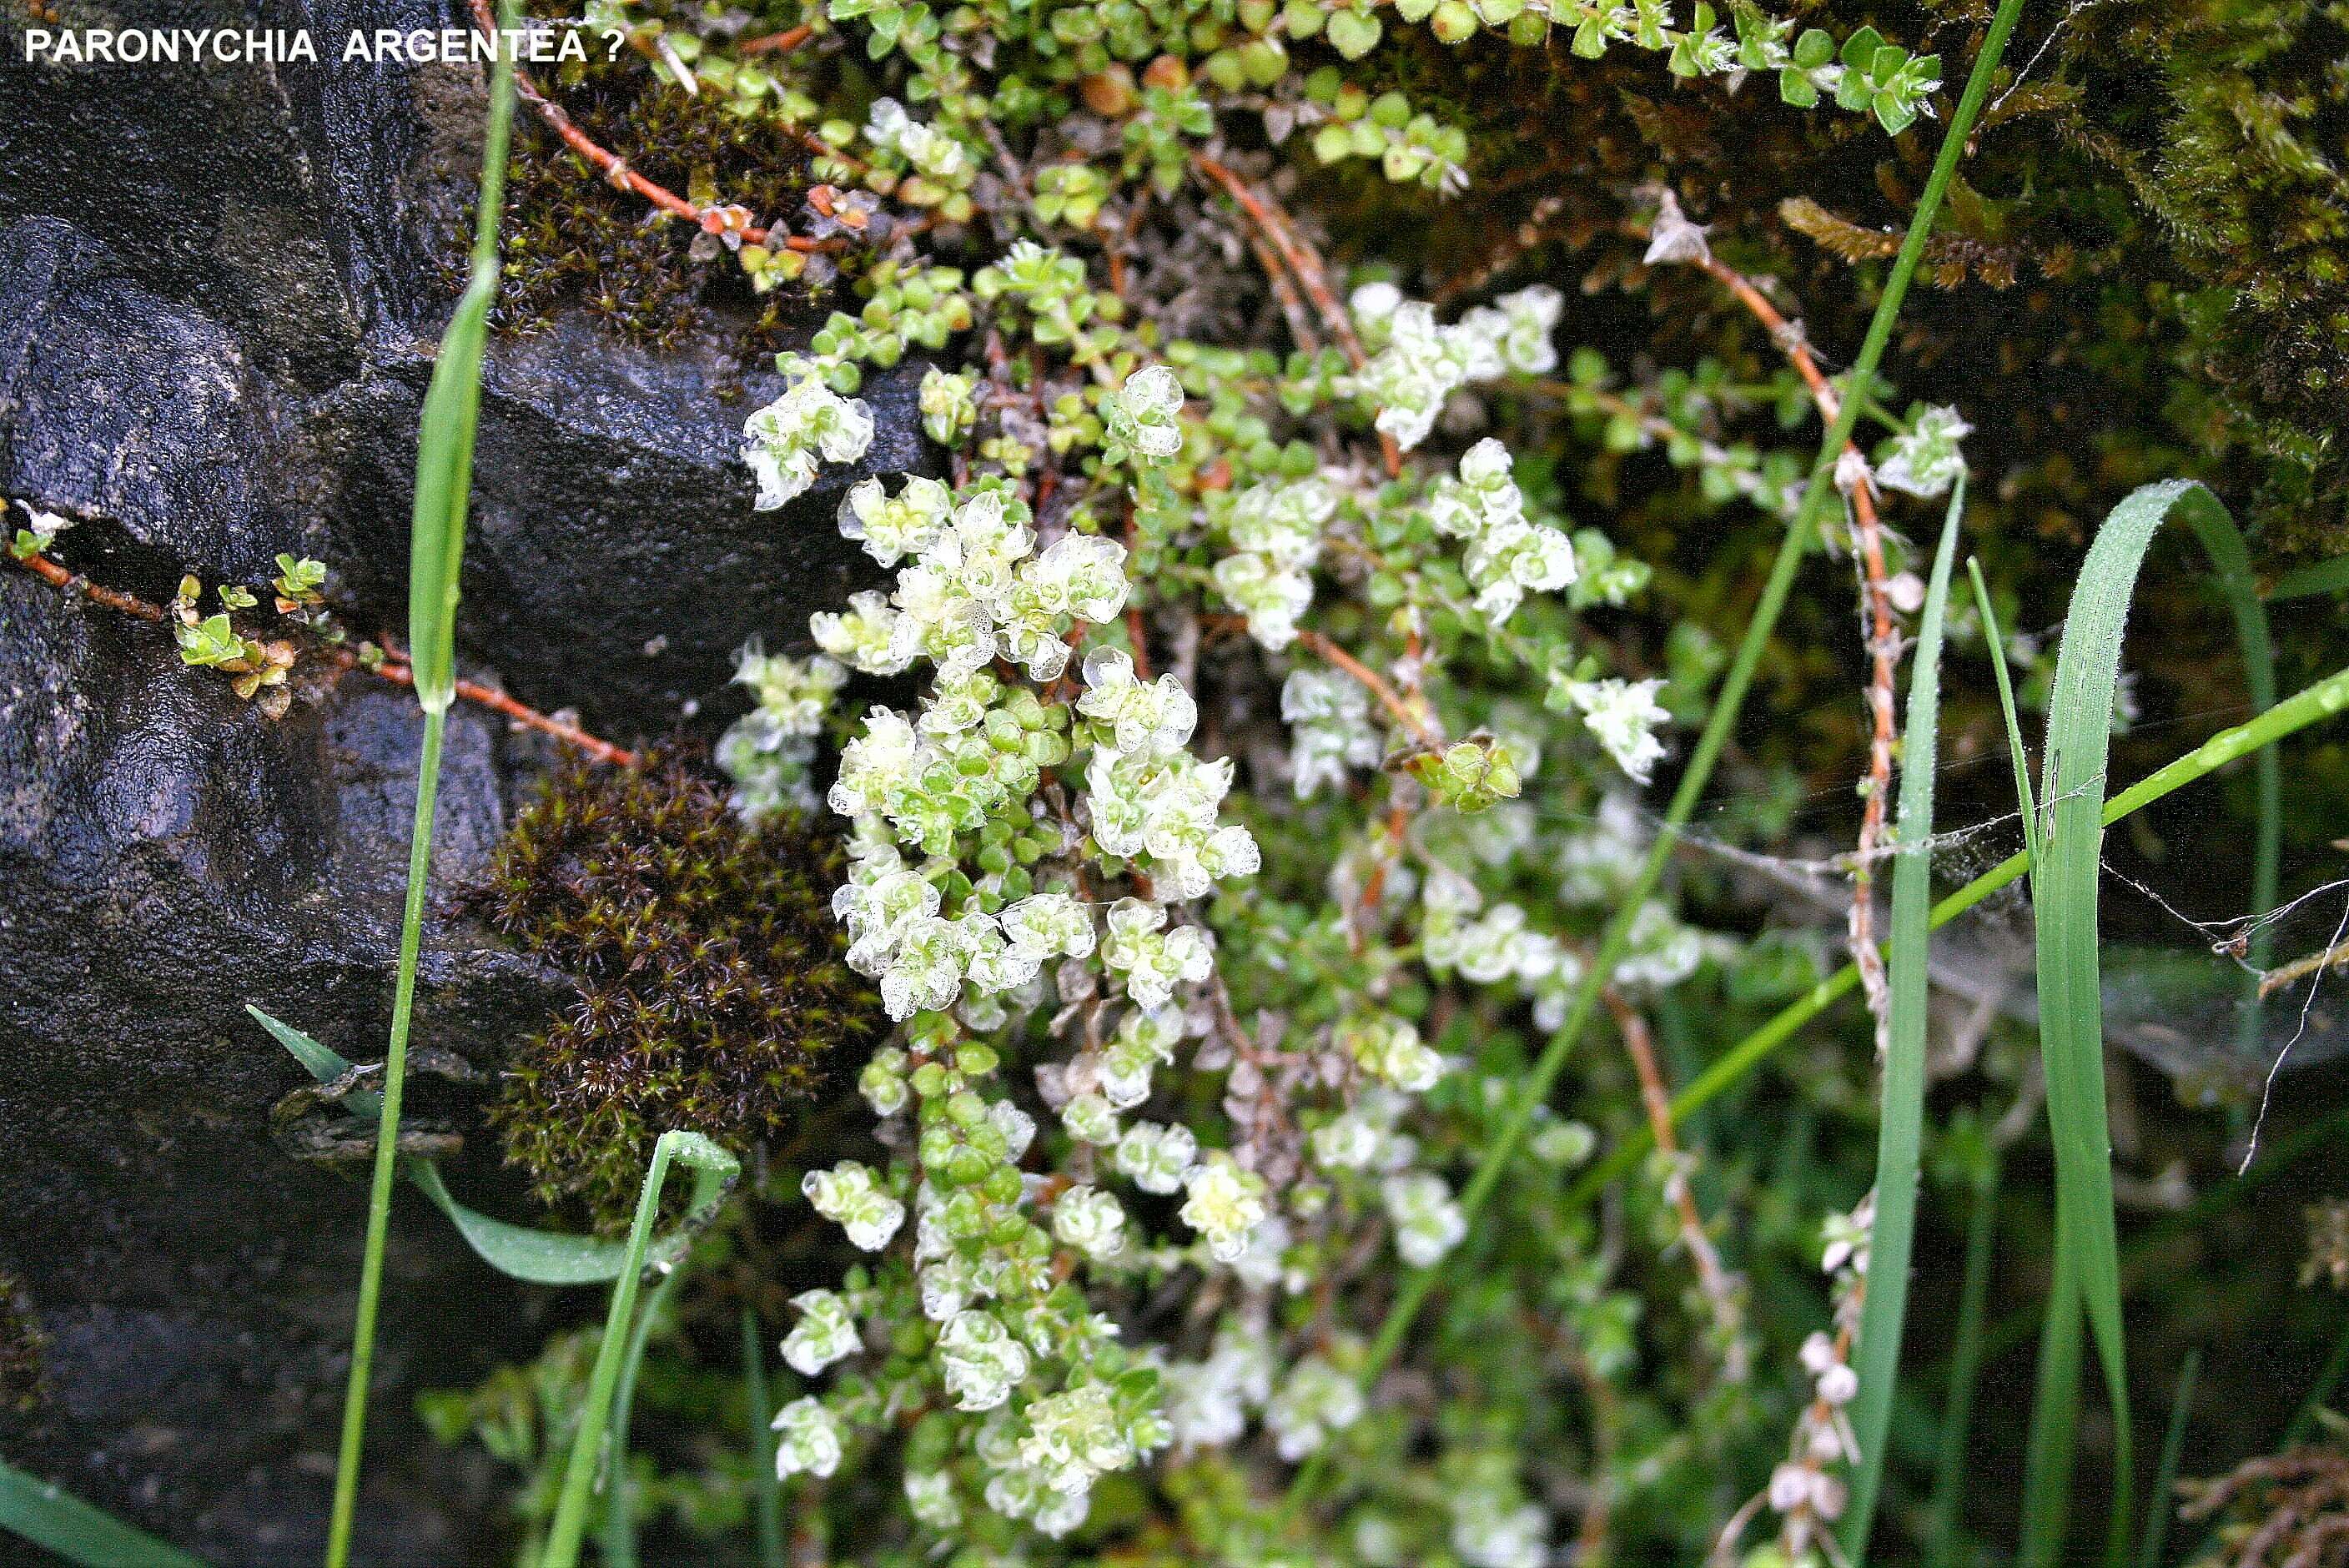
x=444, y=477
x=2325, y=577
x=2055, y=1423
x=2024, y=804
x=2319, y=1393
x=2067, y=891
x=56, y=1520
x=395, y=1072
x=1965, y=1370
x=1616, y=941
x=2327, y=698
x=767, y=1489
x=587, y=1450
x=2048, y=1448
x=452, y=403
x=518, y=1251
x=2165, y=1480
x=1900, y=1135
x=619, y=1536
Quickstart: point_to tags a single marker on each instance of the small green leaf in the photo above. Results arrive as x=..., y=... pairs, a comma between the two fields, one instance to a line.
x=1860, y=48
x=56, y=1520
x=1795, y=89
x=1813, y=49
x=1353, y=33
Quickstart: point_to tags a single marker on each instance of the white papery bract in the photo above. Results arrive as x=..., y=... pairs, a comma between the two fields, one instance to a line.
x=1346, y=1142
x=1226, y=1204
x=1275, y=531
x=769, y=751
x=825, y=1333
x=1428, y=1224
x=1622, y=716
x=889, y=128
x=1420, y=363
x=1153, y=1157
x=785, y=441
x=1329, y=729
x=1090, y=1221
x=847, y=1195
x=1144, y=720
x=1926, y=459
x=1050, y=925
x=1146, y=413
x=863, y=636
x=893, y=527
x=1153, y=961
x=810, y=1440
x=1315, y=1401
x=979, y=1360
x=1074, y=1437
x=930, y=1497
x=1488, y=1535
x=1507, y=555
x=1390, y=1049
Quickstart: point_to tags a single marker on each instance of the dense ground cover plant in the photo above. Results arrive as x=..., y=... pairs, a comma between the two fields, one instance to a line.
x=1265, y=792
x=1194, y=859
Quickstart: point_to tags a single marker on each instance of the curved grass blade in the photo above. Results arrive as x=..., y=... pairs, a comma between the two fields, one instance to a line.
x=518, y=1251
x=1900, y=1135
x=2049, y=1446
x=1727, y=701
x=587, y=1450
x=2327, y=698
x=2024, y=804
x=56, y=1520
x=2055, y=1421
x=452, y=403
x=2067, y=890
x=619, y=1536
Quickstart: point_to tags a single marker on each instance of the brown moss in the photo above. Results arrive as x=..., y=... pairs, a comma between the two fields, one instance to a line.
x=713, y=993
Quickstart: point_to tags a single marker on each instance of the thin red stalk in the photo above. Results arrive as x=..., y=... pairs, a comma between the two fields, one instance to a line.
x=393, y=670
x=1883, y=644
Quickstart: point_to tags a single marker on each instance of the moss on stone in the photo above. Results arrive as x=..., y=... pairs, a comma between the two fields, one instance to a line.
x=713, y=992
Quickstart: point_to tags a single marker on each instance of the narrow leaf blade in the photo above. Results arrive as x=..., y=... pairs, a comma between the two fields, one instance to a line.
x=1901, y=1122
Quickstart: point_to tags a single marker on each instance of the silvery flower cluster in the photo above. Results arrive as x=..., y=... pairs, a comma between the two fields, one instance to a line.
x=1037, y=839
x=810, y=423
x=1508, y=555
x=1419, y=363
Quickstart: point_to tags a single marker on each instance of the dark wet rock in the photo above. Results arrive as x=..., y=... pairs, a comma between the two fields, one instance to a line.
x=220, y=294
x=166, y=855
x=220, y=288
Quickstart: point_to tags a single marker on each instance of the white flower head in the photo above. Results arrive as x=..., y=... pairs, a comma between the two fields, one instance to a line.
x=825, y=1333
x=1153, y=1157
x=1316, y=1400
x=1926, y=459
x=810, y=1441
x=1146, y=413
x=847, y=1195
x=981, y=1360
x=1622, y=716
x=785, y=441
x=1090, y=1221
x=1428, y=1224
x=1226, y=1204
